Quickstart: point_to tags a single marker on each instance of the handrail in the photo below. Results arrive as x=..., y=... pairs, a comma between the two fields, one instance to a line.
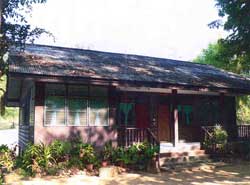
x=127, y=136
x=204, y=128
x=153, y=136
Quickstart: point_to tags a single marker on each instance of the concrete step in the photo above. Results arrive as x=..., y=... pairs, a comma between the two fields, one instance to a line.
x=177, y=158
x=178, y=167
x=183, y=153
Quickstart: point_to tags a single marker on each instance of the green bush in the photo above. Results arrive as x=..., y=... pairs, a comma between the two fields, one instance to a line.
x=137, y=155
x=60, y=150
x=87, y=154
x=217, y=142
x=6, y=158
x=220, y=135
x=37, y=158
x=48, y=159
x=107, y=152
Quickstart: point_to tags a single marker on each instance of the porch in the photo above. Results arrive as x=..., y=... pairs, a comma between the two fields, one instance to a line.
x=172, y=120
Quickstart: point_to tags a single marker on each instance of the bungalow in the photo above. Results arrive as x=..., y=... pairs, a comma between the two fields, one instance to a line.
x=99, y=96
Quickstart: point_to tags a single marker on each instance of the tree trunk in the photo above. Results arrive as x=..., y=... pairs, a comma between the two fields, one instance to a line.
x=1, y=15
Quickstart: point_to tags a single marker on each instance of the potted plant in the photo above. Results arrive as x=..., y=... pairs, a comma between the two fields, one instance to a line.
x=107, y=154
x=88, y=156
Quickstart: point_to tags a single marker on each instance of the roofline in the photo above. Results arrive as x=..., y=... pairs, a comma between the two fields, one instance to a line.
x=118, y=53
x=116, y=82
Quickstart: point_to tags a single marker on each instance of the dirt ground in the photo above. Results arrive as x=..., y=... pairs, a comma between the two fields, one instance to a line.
x=204, y=174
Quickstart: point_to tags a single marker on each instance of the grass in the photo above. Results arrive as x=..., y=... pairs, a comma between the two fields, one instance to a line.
x=7, y=125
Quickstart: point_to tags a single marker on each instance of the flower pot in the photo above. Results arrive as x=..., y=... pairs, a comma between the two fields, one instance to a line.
x=90, y=167
x=104, y=163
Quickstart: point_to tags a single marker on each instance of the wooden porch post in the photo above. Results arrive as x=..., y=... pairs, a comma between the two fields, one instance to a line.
x=222, y=112
x=175, y=118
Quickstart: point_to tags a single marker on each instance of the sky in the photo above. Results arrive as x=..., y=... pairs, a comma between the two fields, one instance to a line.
x=175, y=29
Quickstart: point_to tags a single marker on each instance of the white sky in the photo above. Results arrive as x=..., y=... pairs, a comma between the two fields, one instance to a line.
x=174, y=29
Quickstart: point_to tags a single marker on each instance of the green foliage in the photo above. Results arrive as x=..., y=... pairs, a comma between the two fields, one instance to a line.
x=37, y=158
x=233, y=52
x=217, y=142
x=236, y=14
x=8, y=114
x=6, y=158
x=87, y=154
x=15, y=30
x=60, y=150
x=219, y=55
x=107, y=152
x=48, y=159
x=137, y=155
x=220, y=135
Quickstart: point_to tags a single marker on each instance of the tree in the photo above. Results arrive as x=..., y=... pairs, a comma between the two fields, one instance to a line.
x=237, y=23
x=219, y=56
x=15, y=31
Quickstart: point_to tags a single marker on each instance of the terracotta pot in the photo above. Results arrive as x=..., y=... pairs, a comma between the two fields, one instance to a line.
x=90, y=167
x=104, y=163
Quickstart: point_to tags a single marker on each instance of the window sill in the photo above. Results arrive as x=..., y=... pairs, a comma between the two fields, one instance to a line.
x=87, y=126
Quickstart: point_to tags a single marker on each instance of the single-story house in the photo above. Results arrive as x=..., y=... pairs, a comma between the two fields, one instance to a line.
x=100, y=97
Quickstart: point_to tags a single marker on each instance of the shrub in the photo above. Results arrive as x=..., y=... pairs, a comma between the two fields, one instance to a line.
x=87, y=154
x=60, y=150
x=220, y=135
x=6, y=158
x=37, y=158
x=217, y=142
x=107, y=152
x=137, y=155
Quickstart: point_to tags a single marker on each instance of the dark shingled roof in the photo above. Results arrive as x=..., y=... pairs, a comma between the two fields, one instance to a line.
x=59, y=61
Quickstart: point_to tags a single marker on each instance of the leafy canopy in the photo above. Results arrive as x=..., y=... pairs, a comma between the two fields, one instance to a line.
x=15, y=31
x=237, y=23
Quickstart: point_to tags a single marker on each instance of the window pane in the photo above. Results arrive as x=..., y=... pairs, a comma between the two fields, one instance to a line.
x=55, y=118
x=55, y=112
x=98, y=91
x=98, y=112
x=55, y=89
x=54, y=103
x=76, y=90
x=77, y=111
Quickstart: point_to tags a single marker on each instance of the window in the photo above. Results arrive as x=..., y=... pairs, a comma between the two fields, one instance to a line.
x=76, y=105
x=98, y=112
x=77, y=111
x=55, y=111
x=55, y=104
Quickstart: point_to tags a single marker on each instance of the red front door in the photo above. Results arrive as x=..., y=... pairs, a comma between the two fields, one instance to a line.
x=142, y=115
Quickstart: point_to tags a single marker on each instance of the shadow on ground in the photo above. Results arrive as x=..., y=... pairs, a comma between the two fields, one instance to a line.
x=205, y=174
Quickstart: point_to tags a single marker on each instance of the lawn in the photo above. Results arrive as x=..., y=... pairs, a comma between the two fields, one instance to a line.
x=7, y=125
x=204, y=174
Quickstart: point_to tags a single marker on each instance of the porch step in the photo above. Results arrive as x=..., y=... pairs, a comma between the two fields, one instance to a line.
x=174, y=154
x=173, y=158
